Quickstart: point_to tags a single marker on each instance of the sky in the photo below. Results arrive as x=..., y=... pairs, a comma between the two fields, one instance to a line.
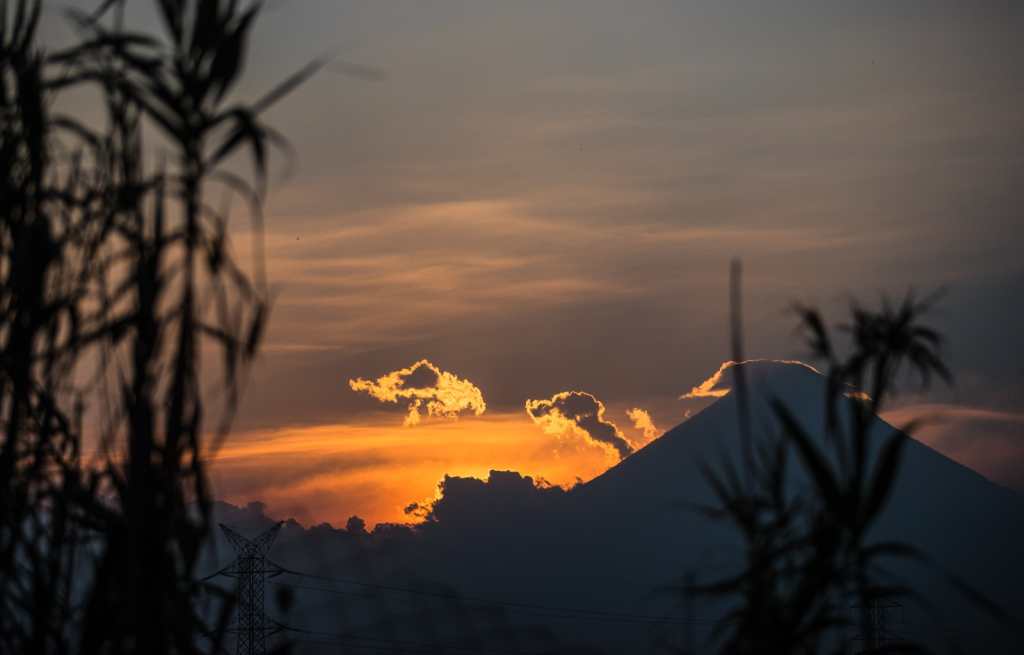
x=541, y=199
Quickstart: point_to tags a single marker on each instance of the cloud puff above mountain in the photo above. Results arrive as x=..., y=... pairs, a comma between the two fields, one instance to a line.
x=710, y=388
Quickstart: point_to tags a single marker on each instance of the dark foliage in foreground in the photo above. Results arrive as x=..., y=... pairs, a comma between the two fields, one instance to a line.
x=115, y=274
x=813, y=581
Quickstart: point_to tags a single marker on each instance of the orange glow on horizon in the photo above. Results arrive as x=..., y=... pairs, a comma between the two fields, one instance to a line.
x=330, y=472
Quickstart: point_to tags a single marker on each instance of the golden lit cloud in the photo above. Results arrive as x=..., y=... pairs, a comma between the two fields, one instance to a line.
x=642, y=421
x=439, y=393
x=578, y=413
x=709, y=388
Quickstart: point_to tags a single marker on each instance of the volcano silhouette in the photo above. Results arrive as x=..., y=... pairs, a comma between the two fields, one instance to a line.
x=620, y=542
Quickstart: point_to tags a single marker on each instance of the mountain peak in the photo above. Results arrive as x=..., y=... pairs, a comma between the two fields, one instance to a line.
x=764, y=375
x=782, y=378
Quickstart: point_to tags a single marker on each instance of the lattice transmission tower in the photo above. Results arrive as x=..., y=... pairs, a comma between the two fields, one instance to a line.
x=879, y=625
x=251, y=569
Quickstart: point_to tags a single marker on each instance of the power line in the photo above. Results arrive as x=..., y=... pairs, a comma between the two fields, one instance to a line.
x=546, y=614
x=350, y=646
x=389, y=650
x=554, y=611
x=252, y=566
x=390, y=644
x=329, y=590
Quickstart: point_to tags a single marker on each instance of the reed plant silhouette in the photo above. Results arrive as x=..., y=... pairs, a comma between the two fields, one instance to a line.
x=116, y=283
x=48, y=236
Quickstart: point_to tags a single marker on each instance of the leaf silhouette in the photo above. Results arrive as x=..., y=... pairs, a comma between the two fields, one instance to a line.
x=811, y=457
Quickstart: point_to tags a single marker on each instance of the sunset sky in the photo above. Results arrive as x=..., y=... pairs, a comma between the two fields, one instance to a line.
x=543, y=197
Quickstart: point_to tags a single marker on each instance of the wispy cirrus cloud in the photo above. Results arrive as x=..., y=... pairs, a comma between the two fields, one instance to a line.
x=438, y=393
x=989, y=441
x=581, y=414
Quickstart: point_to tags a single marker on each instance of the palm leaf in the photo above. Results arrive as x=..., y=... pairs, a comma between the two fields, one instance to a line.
x=810, y=456
x=882, y=480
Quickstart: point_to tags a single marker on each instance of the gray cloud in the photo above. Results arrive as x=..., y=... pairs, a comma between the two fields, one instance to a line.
x=534, y=183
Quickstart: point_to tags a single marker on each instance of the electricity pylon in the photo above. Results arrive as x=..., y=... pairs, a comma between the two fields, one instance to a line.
x=251, y=569
x=876, y=621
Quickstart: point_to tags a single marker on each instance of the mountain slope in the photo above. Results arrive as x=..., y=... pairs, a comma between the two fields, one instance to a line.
x=966, y=524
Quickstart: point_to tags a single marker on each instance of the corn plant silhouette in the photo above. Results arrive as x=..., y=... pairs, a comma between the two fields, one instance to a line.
x=808, y=558
x=120, y=268
x=49, y=234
